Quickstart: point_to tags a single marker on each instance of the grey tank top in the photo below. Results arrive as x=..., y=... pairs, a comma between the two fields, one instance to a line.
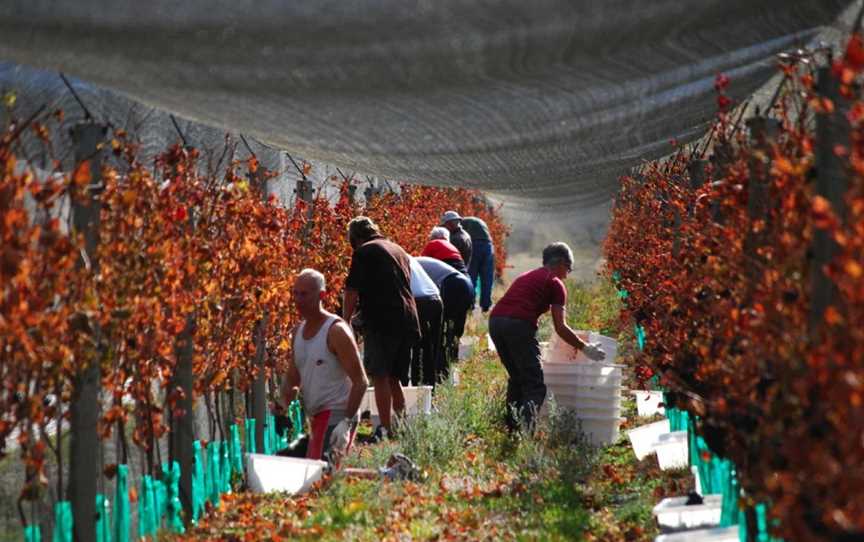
x=323, y=382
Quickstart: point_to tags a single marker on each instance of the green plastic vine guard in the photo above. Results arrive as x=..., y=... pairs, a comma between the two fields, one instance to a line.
x=122, y=522
x=62, y=522
x=225, y=462
x=160, y=498
x=250, y=435
x=199, y=492
x=295, y=411
x=213, y=473
x=103, y=522
x=32, y=533
x=269, y=433
x=729, y=513
x=640, y=336
x=146, y=507
x=172, y=504
x=236, y=450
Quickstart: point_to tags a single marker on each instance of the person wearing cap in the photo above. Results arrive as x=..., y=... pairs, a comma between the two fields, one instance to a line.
x=458, y=236
x=457, y=294
x=440, y=247
x=379, y=279
x=482, y=265
x=425, y=352
x=513, y=329
x=326, y=368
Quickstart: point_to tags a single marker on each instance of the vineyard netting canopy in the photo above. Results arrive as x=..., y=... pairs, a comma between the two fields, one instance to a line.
x=542, y=102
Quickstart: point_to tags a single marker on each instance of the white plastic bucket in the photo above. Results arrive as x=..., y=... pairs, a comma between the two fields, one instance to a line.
x=672, y=450
x=294, y=475
x=601, y=430
x=467, y=346
x=418, y=400
x=717, y=534
x=642, y=438
x=674, y=513
x=608, y=344
x=579, y=398
x=581, y=374
x=649, y=403
x=557, y=351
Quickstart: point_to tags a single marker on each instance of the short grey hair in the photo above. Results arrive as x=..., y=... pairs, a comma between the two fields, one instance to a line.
x=557, y=253
x=440, y=232
x=316, y=276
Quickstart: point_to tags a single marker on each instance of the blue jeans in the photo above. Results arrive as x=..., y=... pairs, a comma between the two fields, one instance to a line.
x=482, y=267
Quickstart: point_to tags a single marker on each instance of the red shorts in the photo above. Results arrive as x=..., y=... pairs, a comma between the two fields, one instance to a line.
x=319, y=435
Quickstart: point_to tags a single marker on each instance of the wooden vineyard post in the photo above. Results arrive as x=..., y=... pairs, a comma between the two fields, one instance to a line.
x=762, y=131
x=182, y=433
x=84, y=468
x=832, y=181
x=259, y=385
x=182, y=412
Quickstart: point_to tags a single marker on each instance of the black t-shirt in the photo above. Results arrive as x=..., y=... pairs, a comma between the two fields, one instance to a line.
x=381, y=273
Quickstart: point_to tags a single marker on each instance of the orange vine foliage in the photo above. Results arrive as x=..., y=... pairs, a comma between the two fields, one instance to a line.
x=722, y=275
x=179, y=251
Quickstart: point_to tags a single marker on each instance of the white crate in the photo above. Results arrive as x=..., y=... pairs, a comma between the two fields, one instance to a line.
x=649, y=403
x=672, y=449
x=467, y=346
x=601, y=430
x=267, y=473
x=718, y=534
x=586, y=398
x=418, y=400
x=642, y=438
x=674, y=513
x=557, y=351
x=577, y=375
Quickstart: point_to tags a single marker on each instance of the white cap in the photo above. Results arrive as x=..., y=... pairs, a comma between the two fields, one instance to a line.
x=450, y=215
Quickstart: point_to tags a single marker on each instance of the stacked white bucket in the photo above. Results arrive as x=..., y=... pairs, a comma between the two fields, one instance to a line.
x=591, y=389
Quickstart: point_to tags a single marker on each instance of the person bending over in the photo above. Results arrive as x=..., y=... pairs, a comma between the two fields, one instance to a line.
x=326, y=370
x=379, y=279
x=513, y=329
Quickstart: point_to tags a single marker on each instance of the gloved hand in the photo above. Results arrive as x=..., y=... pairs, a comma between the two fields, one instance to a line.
x=594, y=351
x=340, y=436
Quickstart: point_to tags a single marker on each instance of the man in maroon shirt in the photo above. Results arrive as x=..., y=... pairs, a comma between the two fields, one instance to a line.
x=513, y=329
x=380, y=280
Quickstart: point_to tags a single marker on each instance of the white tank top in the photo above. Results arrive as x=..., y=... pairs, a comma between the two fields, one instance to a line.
x=324, y=384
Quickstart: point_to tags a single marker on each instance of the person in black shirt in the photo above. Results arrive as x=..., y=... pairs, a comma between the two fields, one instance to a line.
x=380, y=280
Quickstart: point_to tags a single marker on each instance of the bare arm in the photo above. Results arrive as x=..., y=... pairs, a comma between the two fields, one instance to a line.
x=341, y=342
x=291, y=382
x=349, y=303
x=563, y=330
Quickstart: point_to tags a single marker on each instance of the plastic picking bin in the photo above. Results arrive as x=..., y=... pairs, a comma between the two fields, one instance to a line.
x=558, y=351
x=642, y=438
x=268, y=473
x=466, y=347
x=718, y=534
x=418, y=400
x=673, y=513
x=672, y=450
x=586, y=374
x=601, y=430
x=649, y=403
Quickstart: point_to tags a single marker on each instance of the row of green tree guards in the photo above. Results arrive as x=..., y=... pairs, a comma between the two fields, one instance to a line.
x=214, y=472
x=716, y=474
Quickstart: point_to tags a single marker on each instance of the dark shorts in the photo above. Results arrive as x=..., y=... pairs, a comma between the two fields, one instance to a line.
x=387, y=355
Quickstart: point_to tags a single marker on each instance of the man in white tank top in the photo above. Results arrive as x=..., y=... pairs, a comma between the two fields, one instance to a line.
x=327, y=370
